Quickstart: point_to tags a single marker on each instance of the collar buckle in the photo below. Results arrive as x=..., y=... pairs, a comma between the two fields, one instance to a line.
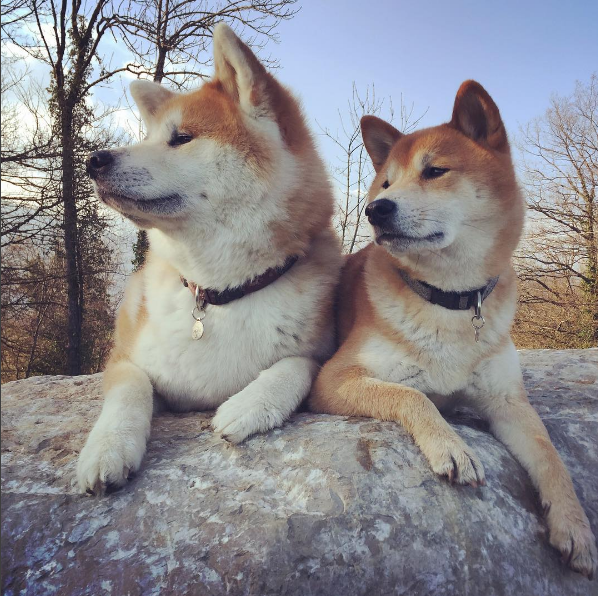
x=200, y=297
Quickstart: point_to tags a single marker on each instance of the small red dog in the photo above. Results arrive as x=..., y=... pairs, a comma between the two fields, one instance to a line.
x=446, y=213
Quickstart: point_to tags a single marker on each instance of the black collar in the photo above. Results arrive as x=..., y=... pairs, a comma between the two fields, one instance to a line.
x=209, y=296
x=450, y=300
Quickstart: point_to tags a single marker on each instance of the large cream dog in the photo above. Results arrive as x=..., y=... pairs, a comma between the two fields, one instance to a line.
x=446, y=214
x=233, y=308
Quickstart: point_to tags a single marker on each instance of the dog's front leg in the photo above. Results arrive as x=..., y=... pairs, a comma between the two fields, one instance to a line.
x=116, y=444
x=352, y=391
x=266, y=402
x=498, y=389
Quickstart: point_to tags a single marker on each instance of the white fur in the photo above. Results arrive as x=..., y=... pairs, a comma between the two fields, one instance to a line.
x=117, y=441
x=259, y=354
x=436, y=352
x=240, y=340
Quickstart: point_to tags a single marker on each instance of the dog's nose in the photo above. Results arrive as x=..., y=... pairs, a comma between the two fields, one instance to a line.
x=380, y=210
x=99, y=161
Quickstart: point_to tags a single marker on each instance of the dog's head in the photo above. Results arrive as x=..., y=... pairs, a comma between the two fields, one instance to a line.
x=231, y=159
x=448, y=191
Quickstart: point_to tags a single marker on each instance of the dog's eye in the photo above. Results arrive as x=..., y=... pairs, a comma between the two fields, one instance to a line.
x=432, y=172
x=385, y=184
x=179, y=138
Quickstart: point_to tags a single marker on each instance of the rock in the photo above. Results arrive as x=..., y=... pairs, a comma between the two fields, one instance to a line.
x=324, y=506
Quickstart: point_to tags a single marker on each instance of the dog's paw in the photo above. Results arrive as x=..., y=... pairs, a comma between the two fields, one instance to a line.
x=455, y=460
x=570, y=533
x=242, y=416
x=107, y=460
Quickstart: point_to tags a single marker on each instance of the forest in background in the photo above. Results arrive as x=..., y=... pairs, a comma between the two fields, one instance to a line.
x=63, y=259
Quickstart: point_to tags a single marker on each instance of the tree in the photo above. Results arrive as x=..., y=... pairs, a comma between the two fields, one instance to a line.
x=67, y=38
x=558, y=260
x=170, y=39
x=354, y=173
x=49, y=207
x=28, y=157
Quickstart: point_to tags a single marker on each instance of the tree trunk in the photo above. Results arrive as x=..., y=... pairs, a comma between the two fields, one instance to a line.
x=71, y=241
x=160, y=63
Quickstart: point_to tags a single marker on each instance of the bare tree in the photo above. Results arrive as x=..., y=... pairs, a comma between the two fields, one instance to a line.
x=66, y=37
x=558, y=259
x=354, y=172
x=170, y=38
x=28, y=158
x=34, y=259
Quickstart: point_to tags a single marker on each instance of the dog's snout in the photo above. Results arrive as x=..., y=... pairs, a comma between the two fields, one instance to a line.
x=380, y=210
x=99, y=161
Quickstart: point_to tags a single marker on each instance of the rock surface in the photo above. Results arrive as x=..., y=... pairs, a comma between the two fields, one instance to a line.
x=324, y=506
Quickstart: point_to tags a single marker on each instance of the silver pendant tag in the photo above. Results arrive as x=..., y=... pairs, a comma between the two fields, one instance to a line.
x=477, y=321
x=198, y=329
x=197, y=332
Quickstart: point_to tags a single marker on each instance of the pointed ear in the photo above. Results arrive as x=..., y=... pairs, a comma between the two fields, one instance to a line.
x=242, y=75
x=149, y=97
x=475, y=114
x=378, y=137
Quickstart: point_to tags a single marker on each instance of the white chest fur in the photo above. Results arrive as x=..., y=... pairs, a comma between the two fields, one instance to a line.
x=438, y=353
x=240, y=339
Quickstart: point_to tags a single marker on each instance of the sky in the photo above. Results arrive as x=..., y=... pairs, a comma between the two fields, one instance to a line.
x=520, y=51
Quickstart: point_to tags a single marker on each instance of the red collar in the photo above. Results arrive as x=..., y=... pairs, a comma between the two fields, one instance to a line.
x=208, y=296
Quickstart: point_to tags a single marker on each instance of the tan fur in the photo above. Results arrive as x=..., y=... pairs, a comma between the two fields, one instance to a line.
x=387, y=331
x=130, y=321
x=229, y=184
x=212, y=112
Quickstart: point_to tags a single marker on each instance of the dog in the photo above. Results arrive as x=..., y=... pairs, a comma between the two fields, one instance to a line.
x=424, y=312
x=233, y=306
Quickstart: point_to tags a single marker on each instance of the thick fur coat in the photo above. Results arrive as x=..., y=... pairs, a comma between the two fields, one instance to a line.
x=446, y=210
x=228, y=184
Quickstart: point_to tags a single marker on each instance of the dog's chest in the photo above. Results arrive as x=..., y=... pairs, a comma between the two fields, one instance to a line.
x=434, y=352
x=430, y=365
x=240, y=340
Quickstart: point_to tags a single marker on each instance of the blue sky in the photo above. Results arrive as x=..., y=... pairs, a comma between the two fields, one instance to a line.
x=522, y=52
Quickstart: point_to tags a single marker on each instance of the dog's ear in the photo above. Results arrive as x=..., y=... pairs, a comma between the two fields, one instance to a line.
x=239, y=71
x=149, y=97
x=378, y=137
x=476, y=115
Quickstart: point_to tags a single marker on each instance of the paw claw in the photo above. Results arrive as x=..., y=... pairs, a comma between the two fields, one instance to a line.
x=108, y=460
x=570, y=534
x=99, y=489
x=453, y=459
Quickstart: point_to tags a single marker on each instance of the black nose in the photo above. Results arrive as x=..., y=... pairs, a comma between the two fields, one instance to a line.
x=98, y=162
x=380, y=210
